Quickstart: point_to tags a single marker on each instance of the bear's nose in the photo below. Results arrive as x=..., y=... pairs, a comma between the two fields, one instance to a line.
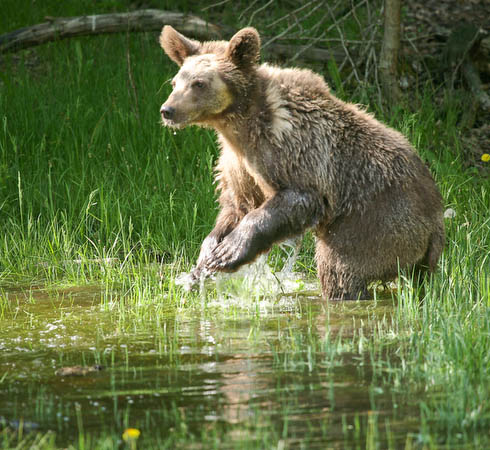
x=167, y=112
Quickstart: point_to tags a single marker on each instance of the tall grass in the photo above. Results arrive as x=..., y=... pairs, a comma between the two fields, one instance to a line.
x=87, y=171
x=446, y=348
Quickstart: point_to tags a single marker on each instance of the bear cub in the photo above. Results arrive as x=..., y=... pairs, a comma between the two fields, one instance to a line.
x=295, y=157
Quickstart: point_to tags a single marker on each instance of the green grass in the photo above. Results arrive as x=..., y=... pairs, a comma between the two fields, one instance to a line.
x=95, y=195
x=85, y=174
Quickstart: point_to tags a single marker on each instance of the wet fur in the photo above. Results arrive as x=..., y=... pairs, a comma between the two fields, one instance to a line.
x=293, y=157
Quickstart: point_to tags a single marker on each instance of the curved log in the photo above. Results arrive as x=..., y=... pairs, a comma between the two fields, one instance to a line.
x=57, y=28
x=142, y=20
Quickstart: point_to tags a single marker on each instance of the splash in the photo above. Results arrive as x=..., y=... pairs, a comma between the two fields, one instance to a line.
x=255, y=281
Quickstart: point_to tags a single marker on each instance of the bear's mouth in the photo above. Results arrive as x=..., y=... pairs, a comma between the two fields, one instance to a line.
x=179, y=119
x=174, y=122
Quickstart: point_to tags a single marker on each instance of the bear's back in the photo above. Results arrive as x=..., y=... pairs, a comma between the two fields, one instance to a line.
x=300, y=81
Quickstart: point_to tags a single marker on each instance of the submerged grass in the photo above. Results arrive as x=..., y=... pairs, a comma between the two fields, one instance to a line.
x=96, y=197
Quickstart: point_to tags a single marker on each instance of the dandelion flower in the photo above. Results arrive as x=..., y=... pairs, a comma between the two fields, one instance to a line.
x=131, y=434
x=450, y=213
x=485, y=157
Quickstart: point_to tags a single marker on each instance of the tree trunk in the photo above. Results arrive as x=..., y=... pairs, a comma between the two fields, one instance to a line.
x=388, y=62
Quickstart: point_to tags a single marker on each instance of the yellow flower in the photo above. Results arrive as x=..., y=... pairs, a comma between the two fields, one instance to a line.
x=485, y=157
x=131, y=434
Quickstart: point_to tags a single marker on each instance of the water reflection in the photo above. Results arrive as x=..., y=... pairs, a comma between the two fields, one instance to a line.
x=207, y=373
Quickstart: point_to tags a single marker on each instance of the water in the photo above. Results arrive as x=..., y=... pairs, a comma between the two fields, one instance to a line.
x=279, y=371
x=255, y=280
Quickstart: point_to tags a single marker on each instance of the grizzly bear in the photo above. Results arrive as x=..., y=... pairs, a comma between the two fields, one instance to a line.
x=295, y=157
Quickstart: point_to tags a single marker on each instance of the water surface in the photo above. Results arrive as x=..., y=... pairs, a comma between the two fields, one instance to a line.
x=292, y=372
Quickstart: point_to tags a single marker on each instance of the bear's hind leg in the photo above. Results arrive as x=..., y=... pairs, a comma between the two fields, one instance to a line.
x=338, y=279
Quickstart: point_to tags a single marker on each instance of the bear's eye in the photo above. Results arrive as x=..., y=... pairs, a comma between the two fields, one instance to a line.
x=198, y=84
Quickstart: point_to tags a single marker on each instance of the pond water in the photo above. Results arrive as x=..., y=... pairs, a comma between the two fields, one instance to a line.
x=291, y=374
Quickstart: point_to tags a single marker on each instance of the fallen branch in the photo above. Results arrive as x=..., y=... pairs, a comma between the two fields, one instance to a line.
x=143, y=20
x=57, y=28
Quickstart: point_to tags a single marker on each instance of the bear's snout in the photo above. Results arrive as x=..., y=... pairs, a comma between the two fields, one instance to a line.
x=167, y=112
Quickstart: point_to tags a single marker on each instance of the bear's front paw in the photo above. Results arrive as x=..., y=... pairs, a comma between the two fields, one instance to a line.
x=208, y=245
x=232, y=252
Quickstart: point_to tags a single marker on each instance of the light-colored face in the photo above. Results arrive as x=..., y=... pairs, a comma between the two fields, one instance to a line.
x=199, y=93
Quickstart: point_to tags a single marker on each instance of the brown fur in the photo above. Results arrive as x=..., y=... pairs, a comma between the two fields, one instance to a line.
x=295, y=157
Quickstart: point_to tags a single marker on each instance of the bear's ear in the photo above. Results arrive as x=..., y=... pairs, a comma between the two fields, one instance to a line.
x=244, y=48
x=177, y=46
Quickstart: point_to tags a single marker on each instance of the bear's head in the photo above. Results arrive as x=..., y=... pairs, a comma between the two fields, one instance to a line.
x=212, y=75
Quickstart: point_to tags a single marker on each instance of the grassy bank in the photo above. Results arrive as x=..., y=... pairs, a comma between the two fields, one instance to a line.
x=94, y=192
